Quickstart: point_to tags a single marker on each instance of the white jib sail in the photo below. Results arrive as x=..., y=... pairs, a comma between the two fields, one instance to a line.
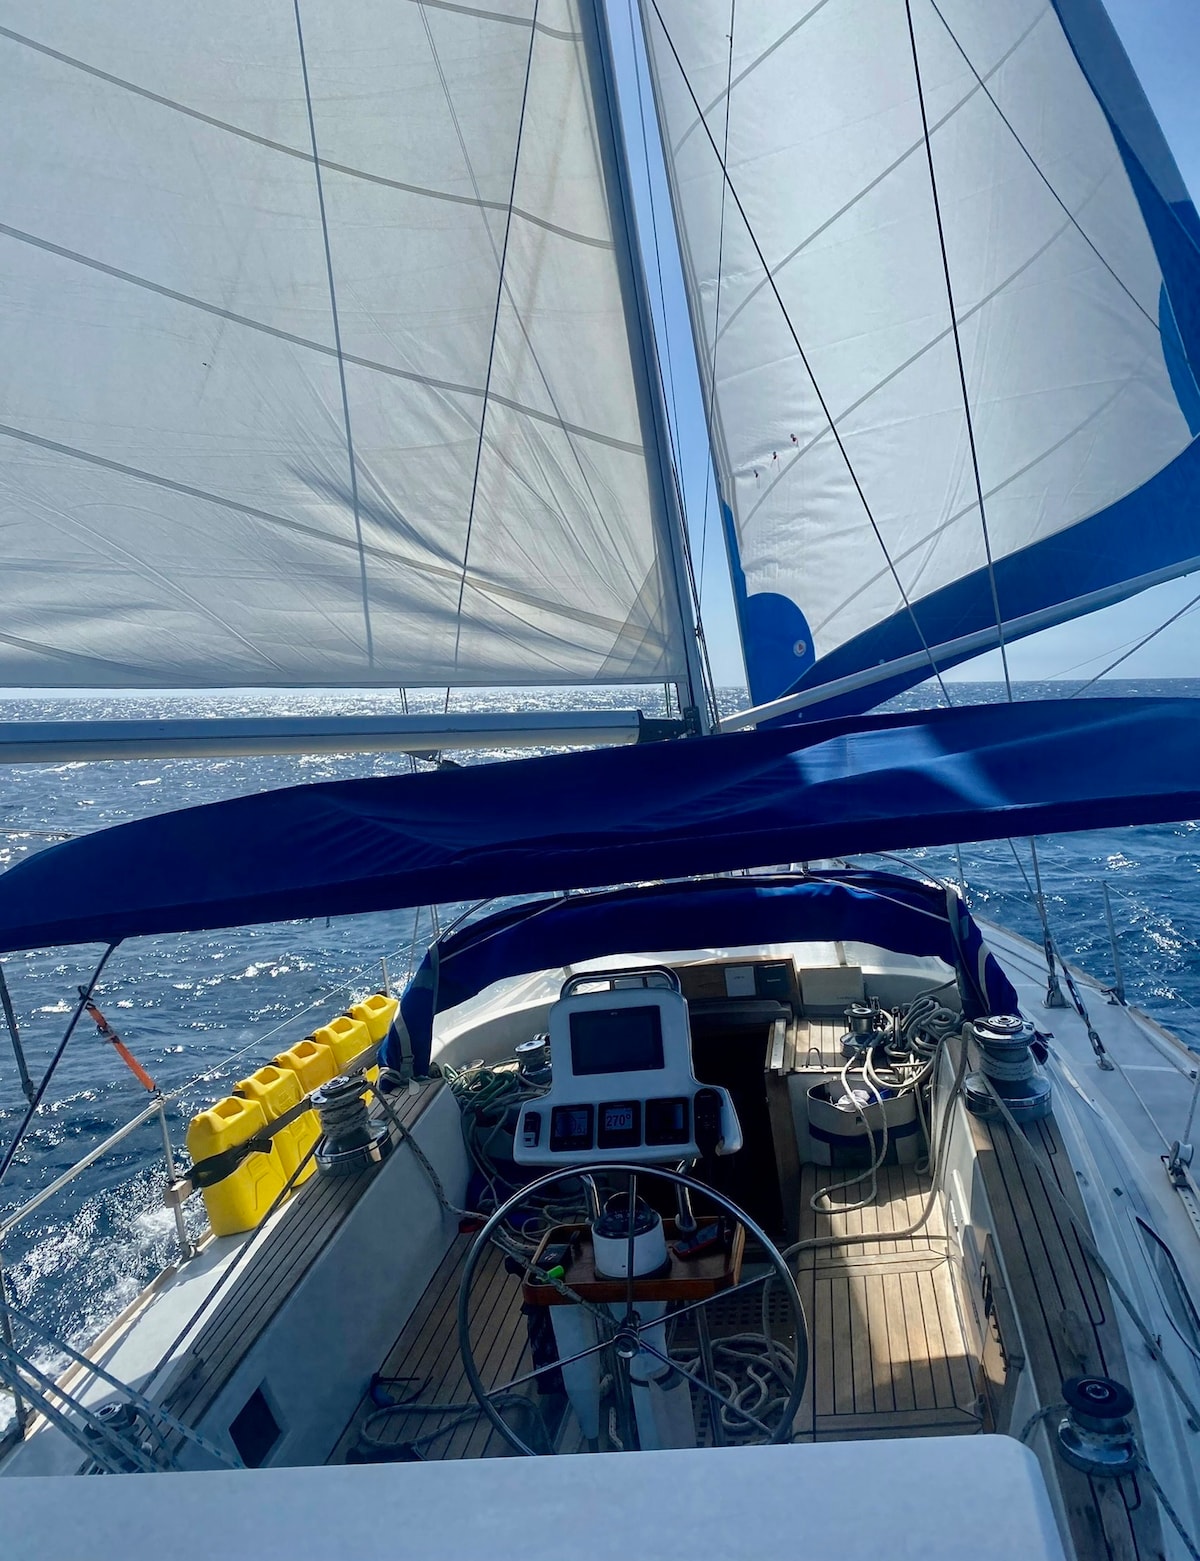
x=826, y=234
x=194, y=330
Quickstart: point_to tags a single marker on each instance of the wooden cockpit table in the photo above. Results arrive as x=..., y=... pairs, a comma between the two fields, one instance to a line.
x=697, y=1279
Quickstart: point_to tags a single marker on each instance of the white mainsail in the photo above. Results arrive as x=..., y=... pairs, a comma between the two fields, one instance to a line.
x=196, y=330
x=863, y=489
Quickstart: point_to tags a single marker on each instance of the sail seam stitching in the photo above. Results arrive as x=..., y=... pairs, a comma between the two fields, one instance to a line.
x=873, y=184
x=505, y=17
x=500, y=291
x=931, y=536
x=1033, y=163
x=506, y=292
x=438, y=571
x=853, y=475
x=958, y=352
x=778, y=43
x=296, y=152
x=394, y=372
x=798, y=454
x=337, y=341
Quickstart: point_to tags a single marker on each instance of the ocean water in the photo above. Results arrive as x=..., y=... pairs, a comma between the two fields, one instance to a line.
x=200, y=1011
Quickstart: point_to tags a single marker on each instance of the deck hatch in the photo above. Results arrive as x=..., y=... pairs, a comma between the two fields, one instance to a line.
x=254, y=1430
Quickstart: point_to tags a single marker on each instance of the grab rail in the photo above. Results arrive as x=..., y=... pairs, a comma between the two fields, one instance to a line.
x=68, y=1176
x=621, y=980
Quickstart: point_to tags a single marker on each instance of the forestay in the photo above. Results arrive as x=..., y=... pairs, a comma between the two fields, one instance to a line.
x=198, y=330
x=830, y=319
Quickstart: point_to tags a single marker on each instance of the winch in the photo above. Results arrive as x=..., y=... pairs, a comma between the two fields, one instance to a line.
x=351, y=1140
x=864, y=1022
x=533, y=1058
x=1096, y=1436
x=1007, y=1065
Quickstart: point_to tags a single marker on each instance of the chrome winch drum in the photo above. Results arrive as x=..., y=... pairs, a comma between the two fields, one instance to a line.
x=1007, y=1065
x=351, y=1140
x=862, y=1026
x=1095, y=1435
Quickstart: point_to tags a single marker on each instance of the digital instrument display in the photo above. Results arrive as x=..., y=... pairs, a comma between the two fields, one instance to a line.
x=616, y=1040
x=571, y=1128
x=620, y=1125
x=667, y=1122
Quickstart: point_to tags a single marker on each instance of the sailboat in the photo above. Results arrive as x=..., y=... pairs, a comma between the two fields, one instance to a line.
x=793, y=1206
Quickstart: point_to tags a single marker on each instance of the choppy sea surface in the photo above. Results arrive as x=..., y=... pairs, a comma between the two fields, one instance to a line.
x=201, y=1011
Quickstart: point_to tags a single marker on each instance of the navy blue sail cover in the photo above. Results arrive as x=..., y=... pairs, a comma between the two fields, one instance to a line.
x=883, y=909
x=591, y=820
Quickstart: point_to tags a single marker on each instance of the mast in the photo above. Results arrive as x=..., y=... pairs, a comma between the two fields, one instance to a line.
x=598, y=47
x=705, y=372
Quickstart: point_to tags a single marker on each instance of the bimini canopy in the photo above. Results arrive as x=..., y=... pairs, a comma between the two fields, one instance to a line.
x=591, y=820
x=879, y=908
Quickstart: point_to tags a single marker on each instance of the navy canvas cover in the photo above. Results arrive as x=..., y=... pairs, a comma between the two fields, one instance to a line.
x=593, y=819
x=863, y=907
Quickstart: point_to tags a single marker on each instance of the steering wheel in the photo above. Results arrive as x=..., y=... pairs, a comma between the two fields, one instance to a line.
x=738, y=1378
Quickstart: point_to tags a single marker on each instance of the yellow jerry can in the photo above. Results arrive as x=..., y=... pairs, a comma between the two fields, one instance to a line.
x=242, y=1199
x=376, y=1012
x=346, y=1038
x=277, y=1090
x=311, y=1062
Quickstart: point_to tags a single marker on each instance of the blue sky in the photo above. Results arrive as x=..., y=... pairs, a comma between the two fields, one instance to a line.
x=1162, y=38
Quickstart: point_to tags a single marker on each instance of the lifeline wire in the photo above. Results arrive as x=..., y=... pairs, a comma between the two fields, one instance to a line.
x=85, y=994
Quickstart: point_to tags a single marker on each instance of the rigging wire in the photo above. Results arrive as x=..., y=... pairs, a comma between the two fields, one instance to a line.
x=559, y=420
x=500, y=290
x=1133, y=649
x=667, y=386
x=958, y=352
x=826, y=410
x=1074, y=220
x=675, y=429
x=1087, y=239
x=696, y=672
x=711, y=477
x=337, y=341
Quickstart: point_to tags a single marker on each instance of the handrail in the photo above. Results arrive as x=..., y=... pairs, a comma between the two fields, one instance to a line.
x=69, y=1176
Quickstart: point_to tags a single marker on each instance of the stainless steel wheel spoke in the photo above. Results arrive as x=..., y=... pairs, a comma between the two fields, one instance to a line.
x=712, y=1392
x=721, y=1295
x=558, y=1285
x=630, y=1314
x=628, y=1332
x=551, y=1365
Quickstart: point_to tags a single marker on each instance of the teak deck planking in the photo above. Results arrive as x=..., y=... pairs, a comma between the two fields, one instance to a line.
x=254, y=1296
